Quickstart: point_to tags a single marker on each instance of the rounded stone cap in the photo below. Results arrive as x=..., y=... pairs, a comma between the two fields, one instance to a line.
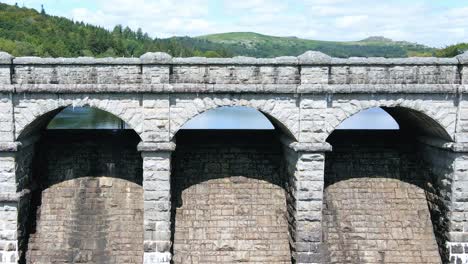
x=463, y=58
x=314, y=57
x=156, y=57
x=5, y=58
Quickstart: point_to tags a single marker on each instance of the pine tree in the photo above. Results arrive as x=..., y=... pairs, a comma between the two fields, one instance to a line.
x=139, y=34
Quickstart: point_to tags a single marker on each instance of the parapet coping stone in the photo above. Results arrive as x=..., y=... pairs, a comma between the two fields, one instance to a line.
x=161, y=58
x=77, y=61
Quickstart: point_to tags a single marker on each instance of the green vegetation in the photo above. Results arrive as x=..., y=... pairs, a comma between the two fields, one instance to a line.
x=27, y=32
x=257, y=45
x=452, y=51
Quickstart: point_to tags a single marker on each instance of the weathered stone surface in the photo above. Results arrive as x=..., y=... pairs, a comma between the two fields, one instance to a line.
x=153, y=68
x=463, y=58
x=89, y=220
x=155, y=58
x=375, y=204
x=231, y=208
x=306, y=98
x=90, y=200
x=314, y=57
x=72, y=61
x=5, y=58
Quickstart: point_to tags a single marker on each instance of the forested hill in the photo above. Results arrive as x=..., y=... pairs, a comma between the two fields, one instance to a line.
x=254, y=44
x=27, y=32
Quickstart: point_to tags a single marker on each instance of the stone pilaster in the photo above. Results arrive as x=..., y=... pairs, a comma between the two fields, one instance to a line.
x=305, y=163
x=457, y=242
x=157, y=201
x=8, y=205
x=447, y=164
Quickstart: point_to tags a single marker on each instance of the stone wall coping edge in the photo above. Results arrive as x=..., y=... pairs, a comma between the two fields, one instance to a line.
x=308, y=58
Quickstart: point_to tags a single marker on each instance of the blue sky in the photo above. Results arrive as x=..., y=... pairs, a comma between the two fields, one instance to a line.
x=432, y=22
x=219, y=118
x=249, y=118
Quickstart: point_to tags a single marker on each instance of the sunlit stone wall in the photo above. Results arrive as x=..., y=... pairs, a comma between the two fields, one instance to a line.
x=375, y=204
x=305, y=97
x=88, y=205
x=229, y=201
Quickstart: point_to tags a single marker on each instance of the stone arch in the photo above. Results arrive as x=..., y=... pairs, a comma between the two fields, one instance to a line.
x=34, y=113
x=61, y=166
x=283, y=113
x=427, y=119
x=370, y=164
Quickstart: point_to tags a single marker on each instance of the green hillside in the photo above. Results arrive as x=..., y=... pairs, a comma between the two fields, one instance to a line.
x=255, y=44
x=27, y=32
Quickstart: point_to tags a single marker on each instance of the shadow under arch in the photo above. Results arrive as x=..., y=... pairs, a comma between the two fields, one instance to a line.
x=233, y=176
x=251, y=142
x=275, y=122
x=370, y=164
x=411, y=122
x=49, y=161
x=416, y=123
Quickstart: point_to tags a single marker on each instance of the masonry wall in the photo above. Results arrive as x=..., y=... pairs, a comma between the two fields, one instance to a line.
x=375, y=205
x=307, y=96
x=261, y=75
x=229, y=200
x=8, y=242
x=453, y=182
x=88, y=207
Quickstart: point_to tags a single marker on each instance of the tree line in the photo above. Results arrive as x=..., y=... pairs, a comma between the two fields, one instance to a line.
x=27, y=32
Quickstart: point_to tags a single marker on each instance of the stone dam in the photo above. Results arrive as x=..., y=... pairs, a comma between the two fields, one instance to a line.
x=301, y=193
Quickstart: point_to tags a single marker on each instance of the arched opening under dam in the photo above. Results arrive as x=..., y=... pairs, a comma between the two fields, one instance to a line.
x=385, y=194
x=229, y=189
x=81, y=178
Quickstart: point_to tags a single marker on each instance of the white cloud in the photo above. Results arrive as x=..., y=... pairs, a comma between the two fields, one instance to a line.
x=350, y=21
x=159, y=18
x=255, y=6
